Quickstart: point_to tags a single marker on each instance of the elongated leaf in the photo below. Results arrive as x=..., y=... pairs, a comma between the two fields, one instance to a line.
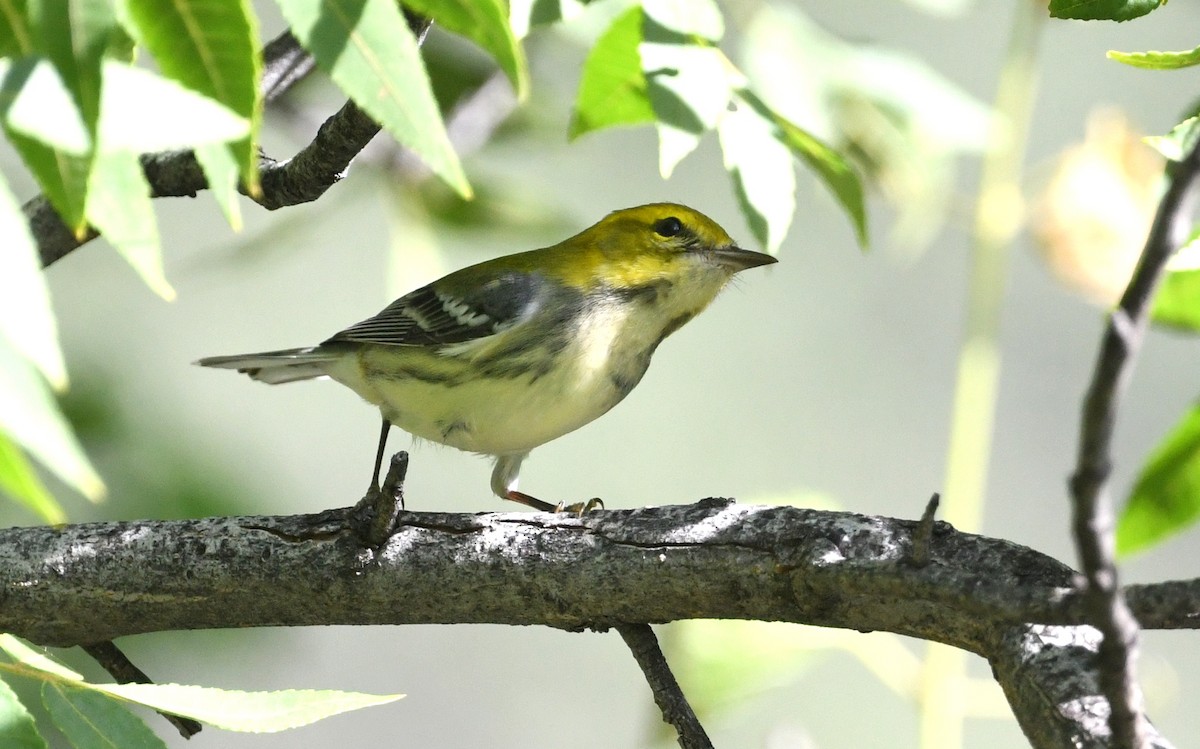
x=26, y=317
x=43, y=122
x=830, y=166
x=73, y=34
x=17, y=727
x=689, y=87
x=1166, y=498
x=1177, y=143
x=91, y=720
x=484, y=22
x=211, y=47
x=763, y=173
x=16, y=35
x=180, y=118
x=369, y=51
x=612, y=90
x=29, y=415
x=22, y=653
x=255, y=712
x=119, y=206
x=20, y=481
x=1158, y=60
x=37, y=105
x=1102, y=10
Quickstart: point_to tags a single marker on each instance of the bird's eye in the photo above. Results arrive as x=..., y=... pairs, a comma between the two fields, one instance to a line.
x=668, y=227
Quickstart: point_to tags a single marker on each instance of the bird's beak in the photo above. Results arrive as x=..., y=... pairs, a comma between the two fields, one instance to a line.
x=737, y=259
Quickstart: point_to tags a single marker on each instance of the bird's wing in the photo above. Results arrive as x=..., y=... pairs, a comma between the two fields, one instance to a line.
x=433, y=316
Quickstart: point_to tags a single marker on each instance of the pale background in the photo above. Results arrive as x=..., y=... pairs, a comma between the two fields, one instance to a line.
x=831, y=372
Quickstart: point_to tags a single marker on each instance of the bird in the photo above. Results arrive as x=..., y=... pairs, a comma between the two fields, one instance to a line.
x=503, y=356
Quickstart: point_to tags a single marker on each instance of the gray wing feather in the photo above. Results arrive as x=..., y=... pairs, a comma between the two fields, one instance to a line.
x=427, y=317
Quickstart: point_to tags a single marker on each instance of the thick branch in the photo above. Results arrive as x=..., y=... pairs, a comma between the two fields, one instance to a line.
x=95, y=582
x=1092, y=521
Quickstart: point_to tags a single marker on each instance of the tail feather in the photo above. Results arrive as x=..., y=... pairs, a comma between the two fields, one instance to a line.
x=275, y=367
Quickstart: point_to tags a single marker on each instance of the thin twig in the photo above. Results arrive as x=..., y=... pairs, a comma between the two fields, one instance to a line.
x=674, y=706
x=1092, y=521
x=923, y=536
x=118, y=665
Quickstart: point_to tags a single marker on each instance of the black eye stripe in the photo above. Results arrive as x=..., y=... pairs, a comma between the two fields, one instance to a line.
x=668, y=227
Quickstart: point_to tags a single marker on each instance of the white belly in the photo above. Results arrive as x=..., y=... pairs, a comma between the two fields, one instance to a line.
x=494, y=415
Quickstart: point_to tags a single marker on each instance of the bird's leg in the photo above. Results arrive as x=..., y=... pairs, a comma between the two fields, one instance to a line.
x=375, y=514
x=504, y=484
x=383, y=435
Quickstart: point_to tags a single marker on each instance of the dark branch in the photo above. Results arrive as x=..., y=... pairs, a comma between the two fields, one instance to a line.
x=667, y=695
x=1092, y=522
x=93, y=582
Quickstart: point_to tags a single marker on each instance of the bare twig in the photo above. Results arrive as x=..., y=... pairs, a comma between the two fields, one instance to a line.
x=667, y=695
x=118, y=665
x=1092, y=521
x=285, y=63
x=923, y=535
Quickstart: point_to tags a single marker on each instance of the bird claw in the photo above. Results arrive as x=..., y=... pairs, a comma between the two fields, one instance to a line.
x=579, y=508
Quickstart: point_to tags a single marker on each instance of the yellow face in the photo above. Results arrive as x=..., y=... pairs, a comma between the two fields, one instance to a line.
x=635, y=246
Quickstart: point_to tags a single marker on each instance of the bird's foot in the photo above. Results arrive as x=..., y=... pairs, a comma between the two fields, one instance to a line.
x=577, y=508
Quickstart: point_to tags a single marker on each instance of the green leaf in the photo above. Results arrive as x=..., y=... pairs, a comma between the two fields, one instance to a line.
x=29, y=415
x=16, y=35
x=484, y=22
x=211, y=47
x=91, y=720
x=763, y=174
x=180, y=117
x=26, y=318
x=20, y=481
x=1102, y=10
x=37, y=105
x=74, y=34
x=1177, y=143
x=43, y=123
x=1158, y=60
x=689, y=86
x=119, y=206
x=612, y=90
x=22, y=653
x=689, y=82
x=369, y=51
x=17, y=727
x=830, y=166
x=221, y=172
x=1166, y=497
x=256, y=712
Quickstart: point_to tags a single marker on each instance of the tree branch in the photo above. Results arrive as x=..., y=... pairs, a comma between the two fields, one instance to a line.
x=301, y=179
x=92, y=582
x=1092, y=521
x=667, y=695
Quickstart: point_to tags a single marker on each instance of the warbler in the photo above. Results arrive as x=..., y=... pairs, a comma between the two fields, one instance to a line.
x=508, y=354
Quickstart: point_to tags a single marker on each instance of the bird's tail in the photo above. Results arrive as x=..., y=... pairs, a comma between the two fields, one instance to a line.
x=275, y=367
